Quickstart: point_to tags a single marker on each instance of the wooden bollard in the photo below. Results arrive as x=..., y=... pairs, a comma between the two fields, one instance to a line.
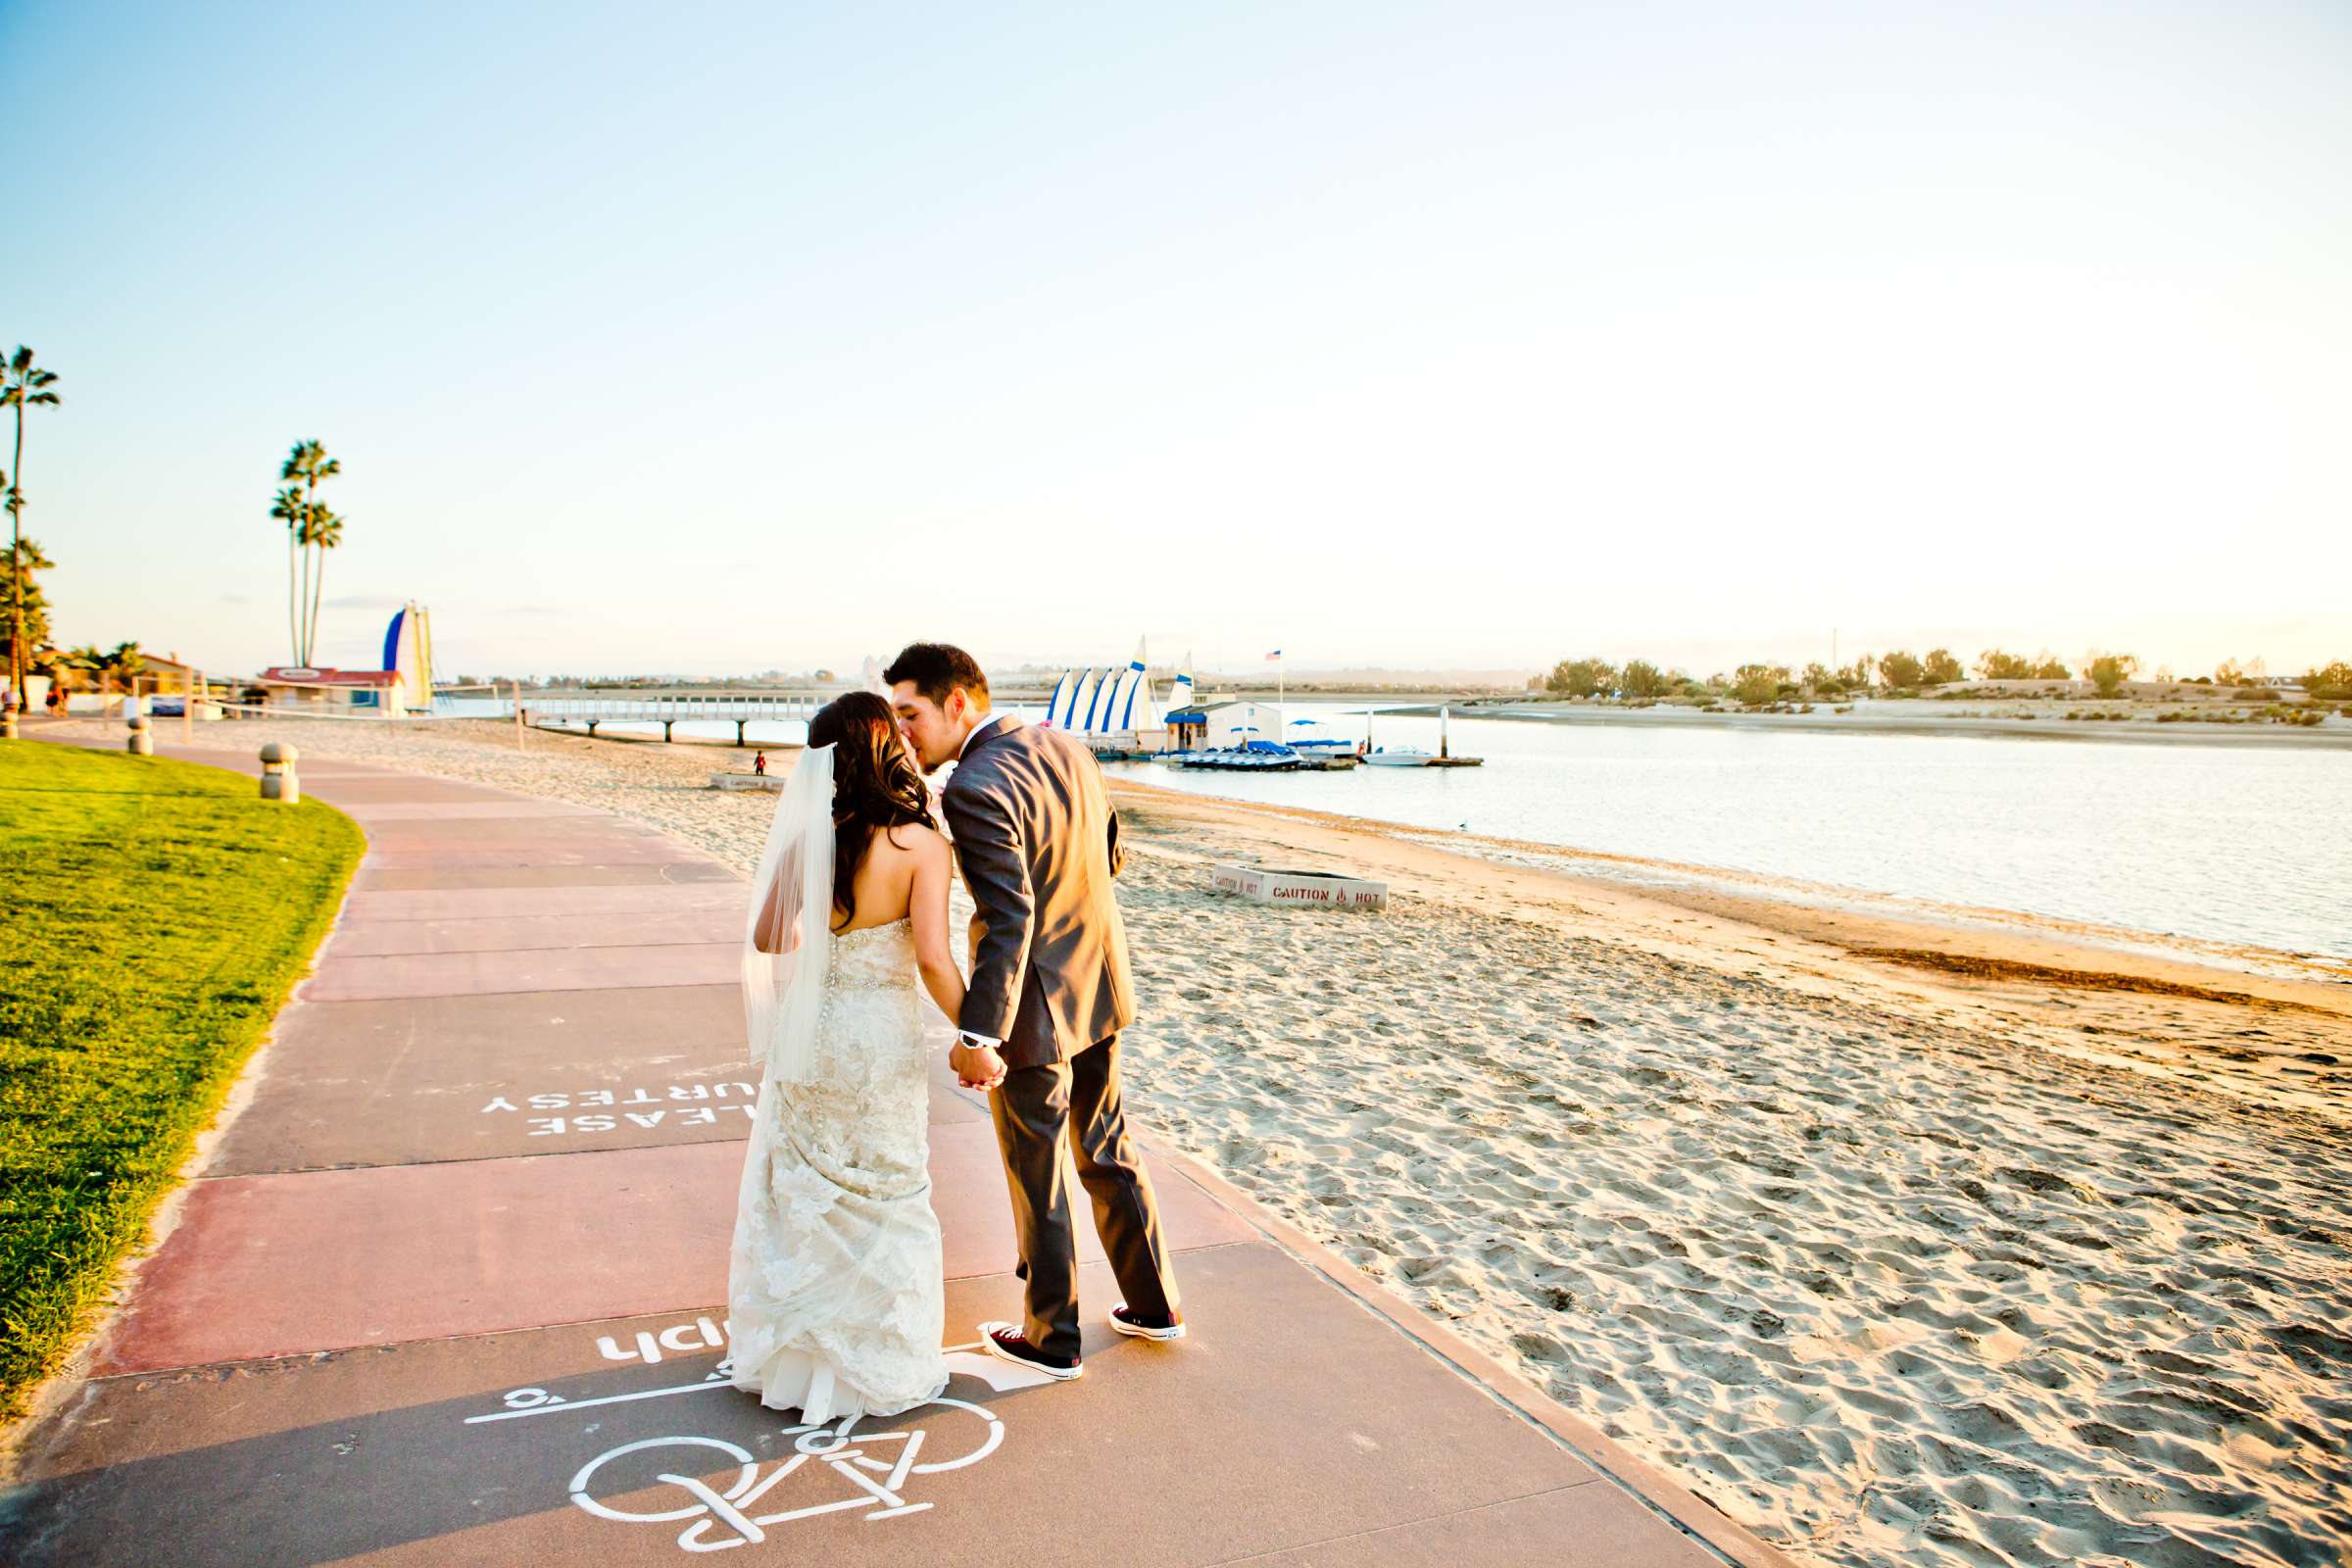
x=278, y=780
x=141, y=743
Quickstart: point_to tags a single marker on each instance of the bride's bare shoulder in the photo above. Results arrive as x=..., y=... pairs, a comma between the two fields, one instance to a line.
x=917, y=839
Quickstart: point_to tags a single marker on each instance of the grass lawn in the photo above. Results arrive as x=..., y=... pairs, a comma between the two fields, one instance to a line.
x=155, y=916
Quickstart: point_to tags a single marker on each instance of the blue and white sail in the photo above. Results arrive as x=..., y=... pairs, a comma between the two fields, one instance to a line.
x=1081, y=700
x=409, y=654
x=1097, y=702
x=1114, y=701
x=1181, y=694
x=1135, y=707
x=1061, y=692
x=1090, y=716
x=1104, y=719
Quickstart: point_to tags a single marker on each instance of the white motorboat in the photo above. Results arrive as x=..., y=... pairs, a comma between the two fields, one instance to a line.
x=1413, y=755
x=1387, y=756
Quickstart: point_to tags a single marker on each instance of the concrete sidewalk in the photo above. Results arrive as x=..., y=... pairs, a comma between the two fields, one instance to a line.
x=449, y=1291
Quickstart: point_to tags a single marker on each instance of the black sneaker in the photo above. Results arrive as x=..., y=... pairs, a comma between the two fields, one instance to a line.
x=1004, y=1342
x=1126, y=1320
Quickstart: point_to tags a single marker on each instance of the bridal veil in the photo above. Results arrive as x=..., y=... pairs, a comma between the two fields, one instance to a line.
x=789, y=933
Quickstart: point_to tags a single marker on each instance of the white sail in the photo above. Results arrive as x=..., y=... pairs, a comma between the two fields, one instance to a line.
x=1082, y=698
x=1181, y=694
x=1136, y=711
x=1092, y=719
x=409, y=654
x=1061, y=689
x=1099, y=704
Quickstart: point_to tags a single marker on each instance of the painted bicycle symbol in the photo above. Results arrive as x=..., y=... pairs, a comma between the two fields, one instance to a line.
x=723, y=1518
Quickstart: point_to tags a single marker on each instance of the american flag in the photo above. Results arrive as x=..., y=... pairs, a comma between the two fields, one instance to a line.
x=1275, y=655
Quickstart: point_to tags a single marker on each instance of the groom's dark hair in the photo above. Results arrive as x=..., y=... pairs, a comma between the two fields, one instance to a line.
x=938, y=668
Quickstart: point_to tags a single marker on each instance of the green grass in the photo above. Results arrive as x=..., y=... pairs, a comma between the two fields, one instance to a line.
x=155, y=916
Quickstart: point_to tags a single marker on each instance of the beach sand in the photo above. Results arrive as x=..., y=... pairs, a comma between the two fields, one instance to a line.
x=1932, y=1258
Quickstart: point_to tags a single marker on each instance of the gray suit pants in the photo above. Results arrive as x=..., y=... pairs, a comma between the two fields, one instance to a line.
x=1036, y=1110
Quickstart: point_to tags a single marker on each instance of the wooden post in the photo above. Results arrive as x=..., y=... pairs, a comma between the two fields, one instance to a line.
x=187, y=708
x=516, y=687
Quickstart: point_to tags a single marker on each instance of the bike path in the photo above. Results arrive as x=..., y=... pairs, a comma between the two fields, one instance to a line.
x=448, y=1292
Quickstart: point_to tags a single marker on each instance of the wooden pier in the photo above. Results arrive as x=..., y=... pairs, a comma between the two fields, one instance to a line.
x=590, y=707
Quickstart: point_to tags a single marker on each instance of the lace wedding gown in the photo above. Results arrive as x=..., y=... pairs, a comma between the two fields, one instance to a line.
x=835, y=1295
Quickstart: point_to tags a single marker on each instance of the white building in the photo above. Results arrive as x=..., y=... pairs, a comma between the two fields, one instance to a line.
x=1231, y=722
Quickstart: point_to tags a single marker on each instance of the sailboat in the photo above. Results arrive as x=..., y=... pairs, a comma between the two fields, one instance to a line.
x=1181, y=695
x=1082, y=698
x=1111, y=710
x=1061, y=692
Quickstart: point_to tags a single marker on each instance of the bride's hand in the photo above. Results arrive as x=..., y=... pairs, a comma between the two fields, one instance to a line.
x=977, y=1066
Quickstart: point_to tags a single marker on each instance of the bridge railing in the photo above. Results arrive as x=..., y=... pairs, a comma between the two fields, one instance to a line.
x=591, y=709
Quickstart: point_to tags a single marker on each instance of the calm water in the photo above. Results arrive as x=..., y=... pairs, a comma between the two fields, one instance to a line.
x=2240, y=846
x=2235, y=845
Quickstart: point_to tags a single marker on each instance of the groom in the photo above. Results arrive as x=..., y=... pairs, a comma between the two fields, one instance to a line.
x=1039, y=844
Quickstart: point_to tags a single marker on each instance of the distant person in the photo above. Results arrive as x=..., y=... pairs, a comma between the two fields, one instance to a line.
x=759, y=764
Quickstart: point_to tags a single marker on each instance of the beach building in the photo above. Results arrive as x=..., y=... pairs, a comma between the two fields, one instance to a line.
x=404, y=686
x=1232, y=722
x=159, y=676
x=162, y=673
x=303, y=686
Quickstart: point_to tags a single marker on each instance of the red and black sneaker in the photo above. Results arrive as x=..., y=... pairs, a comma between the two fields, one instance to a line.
x=1125, y=1319
x=1006, y=1341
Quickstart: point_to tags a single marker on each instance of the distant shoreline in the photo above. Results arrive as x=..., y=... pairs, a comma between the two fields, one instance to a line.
x=1920, y=718
x=1916, y=718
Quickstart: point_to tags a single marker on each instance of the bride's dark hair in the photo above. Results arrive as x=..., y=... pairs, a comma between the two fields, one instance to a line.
x=876, y=786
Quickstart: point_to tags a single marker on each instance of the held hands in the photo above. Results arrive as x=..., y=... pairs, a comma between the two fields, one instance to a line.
x=977, y=1066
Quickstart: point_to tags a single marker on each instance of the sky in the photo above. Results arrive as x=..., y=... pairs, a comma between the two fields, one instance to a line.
x=711, y=337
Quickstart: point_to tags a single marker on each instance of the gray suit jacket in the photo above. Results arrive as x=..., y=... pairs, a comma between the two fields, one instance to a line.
x=1039, y=844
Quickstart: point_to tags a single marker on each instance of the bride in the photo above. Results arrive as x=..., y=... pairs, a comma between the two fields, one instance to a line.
x=835, y=1293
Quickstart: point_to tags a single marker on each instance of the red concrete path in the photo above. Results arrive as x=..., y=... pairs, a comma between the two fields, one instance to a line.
x=447, y=1294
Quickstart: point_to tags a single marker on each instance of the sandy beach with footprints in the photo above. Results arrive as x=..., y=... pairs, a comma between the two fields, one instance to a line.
x=1898, y=1242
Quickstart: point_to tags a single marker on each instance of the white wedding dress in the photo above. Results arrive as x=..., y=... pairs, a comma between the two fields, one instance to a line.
x=835, y=1293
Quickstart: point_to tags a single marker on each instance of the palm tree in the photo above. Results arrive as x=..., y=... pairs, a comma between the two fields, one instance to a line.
x=124, y=663
x=22, y=384
x=288, y=508
x=308, y=464
x=87, y=659
x=29, y=614
x=326, y=531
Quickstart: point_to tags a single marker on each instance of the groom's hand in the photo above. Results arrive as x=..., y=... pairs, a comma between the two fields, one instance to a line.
x=977, y=1066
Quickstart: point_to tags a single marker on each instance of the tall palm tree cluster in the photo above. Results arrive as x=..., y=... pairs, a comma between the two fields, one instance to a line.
x=312, y=530
x=23, y=385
